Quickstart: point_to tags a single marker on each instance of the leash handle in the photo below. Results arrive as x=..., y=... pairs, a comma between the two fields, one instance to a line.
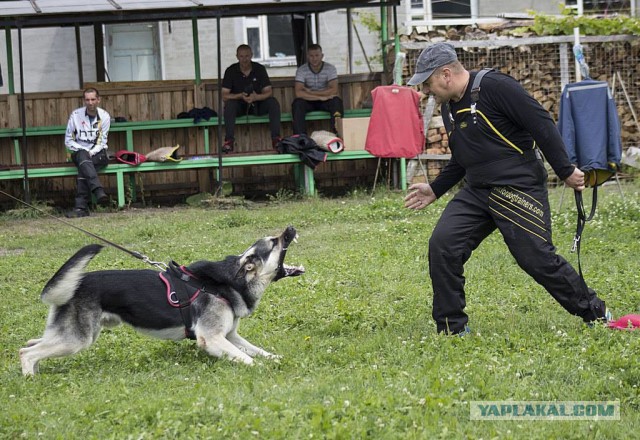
x=582, y=217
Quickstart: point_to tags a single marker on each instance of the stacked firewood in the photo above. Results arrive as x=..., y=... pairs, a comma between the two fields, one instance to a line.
x=538, y=68
x=437, y=141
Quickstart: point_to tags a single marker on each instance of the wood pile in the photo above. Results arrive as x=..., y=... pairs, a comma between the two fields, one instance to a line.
x=538, y=63
x=437, y=141
x=538, y=68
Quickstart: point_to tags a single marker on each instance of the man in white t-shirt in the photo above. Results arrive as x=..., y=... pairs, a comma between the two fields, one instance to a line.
x=316, y=88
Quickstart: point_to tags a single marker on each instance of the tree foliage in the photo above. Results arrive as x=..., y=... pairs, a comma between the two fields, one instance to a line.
x=549, y=25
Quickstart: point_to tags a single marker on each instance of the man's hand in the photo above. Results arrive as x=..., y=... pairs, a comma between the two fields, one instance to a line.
x=420, y=197
x=576, y=180
x=250, y=99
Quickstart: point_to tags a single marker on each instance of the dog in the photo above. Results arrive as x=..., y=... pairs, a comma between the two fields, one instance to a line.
x=203, y=301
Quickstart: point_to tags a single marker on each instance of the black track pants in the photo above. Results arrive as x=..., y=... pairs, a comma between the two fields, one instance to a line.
x=88, y=181
x=524, y=220
x=300, y=107
x=234, y=108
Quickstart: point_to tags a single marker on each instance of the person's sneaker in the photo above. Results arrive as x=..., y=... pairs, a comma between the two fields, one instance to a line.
x=608, y=317
x=465, y=331
x=227, y=147
x=101, y=197
x=275, y=141
x=76, y=213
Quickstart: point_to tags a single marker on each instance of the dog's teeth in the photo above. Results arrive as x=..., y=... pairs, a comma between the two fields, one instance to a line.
x=293, y=270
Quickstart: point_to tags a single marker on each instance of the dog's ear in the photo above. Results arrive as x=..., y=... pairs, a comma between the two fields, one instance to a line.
x=249, y=267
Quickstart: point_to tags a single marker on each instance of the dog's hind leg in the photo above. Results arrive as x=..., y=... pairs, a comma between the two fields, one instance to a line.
x=65, y=335
x=51, y=346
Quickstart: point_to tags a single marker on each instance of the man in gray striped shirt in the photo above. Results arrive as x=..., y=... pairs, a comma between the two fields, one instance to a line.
x=316, y=88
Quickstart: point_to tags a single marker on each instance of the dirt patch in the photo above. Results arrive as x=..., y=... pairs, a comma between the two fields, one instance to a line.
x=10, y=252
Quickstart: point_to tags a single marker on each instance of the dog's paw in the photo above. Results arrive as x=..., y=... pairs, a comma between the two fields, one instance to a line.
x=247, y=360
x=274, y=357
x=29, y=368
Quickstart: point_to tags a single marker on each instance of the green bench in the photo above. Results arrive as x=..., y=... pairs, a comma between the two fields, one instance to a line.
x=304, y=174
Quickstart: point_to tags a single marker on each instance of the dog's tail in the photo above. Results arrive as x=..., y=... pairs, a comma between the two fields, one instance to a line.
x=61, y=287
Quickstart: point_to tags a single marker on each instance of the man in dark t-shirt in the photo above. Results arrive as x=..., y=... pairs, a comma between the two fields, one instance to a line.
x=246, y=89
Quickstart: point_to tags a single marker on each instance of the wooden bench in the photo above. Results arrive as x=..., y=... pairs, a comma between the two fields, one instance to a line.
x=304, y=175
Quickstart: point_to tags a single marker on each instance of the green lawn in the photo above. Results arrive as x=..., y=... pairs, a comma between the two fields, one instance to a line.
x=361, y=358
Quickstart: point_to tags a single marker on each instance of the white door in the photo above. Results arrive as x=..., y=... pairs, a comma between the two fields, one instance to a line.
x=133, y=52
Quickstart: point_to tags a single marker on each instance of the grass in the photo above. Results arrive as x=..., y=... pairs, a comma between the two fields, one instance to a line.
x=361, y=356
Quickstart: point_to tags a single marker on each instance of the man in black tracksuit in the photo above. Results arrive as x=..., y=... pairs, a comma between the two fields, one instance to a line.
x=495, y=147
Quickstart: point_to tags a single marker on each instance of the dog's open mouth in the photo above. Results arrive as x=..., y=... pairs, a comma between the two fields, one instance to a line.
x=292, y=271
x=290, y=235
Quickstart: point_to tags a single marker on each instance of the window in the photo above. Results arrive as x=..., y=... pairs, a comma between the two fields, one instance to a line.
x=450, y=8
x=601, y=6
x=270, y=38
x=442, y=9
x=133, y=52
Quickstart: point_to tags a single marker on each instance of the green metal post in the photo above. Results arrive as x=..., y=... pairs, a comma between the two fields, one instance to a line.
x=196, y=49
x=10, y=84
x=384, y=34
x=11, y=87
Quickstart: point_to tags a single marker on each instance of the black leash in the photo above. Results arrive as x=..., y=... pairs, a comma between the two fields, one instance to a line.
x=582, y=221
x=135, y=254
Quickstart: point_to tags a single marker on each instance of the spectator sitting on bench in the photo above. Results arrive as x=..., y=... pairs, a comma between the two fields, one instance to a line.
x=316, y=88
x=86, y=138
x=246, y=89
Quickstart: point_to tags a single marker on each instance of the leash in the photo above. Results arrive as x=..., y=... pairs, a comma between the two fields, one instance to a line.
x=583, y=218
x=135, y=254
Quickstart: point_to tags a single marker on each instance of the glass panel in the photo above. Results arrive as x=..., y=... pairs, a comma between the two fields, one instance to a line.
x=280, y=36
x=451, y=8
x=253, y=40
x=607, y=6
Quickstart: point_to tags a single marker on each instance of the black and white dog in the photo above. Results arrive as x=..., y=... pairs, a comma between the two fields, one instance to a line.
x=203, y=301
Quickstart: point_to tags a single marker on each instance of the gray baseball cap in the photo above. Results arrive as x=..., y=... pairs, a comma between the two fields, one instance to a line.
x=432, y=57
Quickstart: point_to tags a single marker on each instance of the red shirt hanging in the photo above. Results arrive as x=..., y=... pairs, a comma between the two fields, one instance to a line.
x=396, y=128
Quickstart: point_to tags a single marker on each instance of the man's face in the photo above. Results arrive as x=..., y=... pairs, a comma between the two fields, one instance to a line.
x=244, y=58
x=437, y=86
x=315, y=57
x=91, y=101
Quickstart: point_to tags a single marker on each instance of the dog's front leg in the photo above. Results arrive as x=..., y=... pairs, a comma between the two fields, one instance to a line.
x=248, y=347
x=219, y=347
